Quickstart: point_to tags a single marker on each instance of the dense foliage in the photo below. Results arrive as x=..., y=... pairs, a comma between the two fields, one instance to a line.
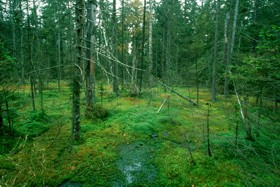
x=125, y=73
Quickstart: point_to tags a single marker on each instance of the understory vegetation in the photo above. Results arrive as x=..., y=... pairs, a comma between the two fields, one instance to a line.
x=139, y=93
x=133, y=143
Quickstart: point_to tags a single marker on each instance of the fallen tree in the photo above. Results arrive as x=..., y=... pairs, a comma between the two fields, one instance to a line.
x=175, y=92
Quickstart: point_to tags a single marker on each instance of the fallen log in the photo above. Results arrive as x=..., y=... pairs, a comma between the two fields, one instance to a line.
x=175, y=92
x=180, y=95
x=162, y=104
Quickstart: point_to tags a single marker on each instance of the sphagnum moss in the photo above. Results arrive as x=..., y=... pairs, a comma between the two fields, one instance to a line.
x=50, y=158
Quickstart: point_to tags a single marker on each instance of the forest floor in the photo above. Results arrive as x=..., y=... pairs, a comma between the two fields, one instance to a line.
x=135, y=145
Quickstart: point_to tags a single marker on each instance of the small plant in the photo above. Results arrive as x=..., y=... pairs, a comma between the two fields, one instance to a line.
x=97, y=113
x=37, y=124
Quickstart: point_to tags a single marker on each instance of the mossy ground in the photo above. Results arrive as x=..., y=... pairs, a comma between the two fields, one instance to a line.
x=41, y=152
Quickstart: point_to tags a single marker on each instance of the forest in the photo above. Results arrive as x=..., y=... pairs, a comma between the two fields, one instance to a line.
x=139, y=93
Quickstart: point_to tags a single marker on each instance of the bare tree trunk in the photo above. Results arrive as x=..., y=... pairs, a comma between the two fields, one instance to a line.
x=226, y=38
x=151, y=42
x=11, y=4
x=77, y=70
x=247, y=123
x=208, y=132
x=1, y=117
x=162, y=66
x=59, y=60
x=21, y=44
x=143, y=45
x=122, y=69
x=197, y=83
x=89, y=71
x=215, y=51
x=30, y=58
x=32, y=90
x=259, y=112
x=231, y=46
x=114, y=64
x=134, y=91
x=167, y=53
x=8, y=114
x=41, y=92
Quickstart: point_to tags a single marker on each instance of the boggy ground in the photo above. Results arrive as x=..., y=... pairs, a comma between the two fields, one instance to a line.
x=135, y=145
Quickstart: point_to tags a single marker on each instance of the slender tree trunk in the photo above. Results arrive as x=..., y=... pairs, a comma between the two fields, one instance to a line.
x=259, y=112
x=8, y=113
x=151, y=42
x=237, y=126
x=32, y=90
x=89, y=71
x=208, y=132
x=41, y=93
x=162, y=68
x=78, y=70
x=30, y=55
x=231, y=47
x=143, y=45
x=1, y=117
x=133, y=69
x=21, y=44
x=167, y=52
x=226, y=38
x=215, y=51
x=247, y=123
x=197, y=83
x=12, y=17
x=122, y=69
x=59, y=60
x=114, y=64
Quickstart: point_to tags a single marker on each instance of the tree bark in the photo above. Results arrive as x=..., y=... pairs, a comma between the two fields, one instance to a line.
x=134, y=91
x=114, y=64
x=30, y=58
x=150, y=42
x=21, y=44
x=41, y=92
x=8, y=114
x=197, y=83
x=59, y=60
x=122, y=69
x=77, y=70
x=247, y=123
x=208, y=132
x=226, y=38
x=12, y=17
x=89, y=71
x=143, y=45
x=231, y=47
x=215, y=51
x=167, y=47
x=1, y=117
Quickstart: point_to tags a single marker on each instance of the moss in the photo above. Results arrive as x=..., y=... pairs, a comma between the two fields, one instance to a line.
x=51, y=158
x=97, y=113
x=6, y=164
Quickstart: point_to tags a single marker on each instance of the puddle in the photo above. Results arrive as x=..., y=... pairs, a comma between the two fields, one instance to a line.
x=136, y=165
x=68, y=183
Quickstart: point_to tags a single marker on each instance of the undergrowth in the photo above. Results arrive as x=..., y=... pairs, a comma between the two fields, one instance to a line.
x=42, y=153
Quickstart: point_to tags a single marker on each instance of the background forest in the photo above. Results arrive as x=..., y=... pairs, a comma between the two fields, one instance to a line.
x=139, y=93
